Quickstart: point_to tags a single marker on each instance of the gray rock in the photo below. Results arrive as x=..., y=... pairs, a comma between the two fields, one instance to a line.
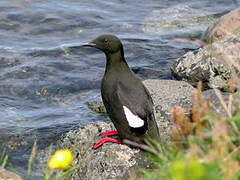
x=166, y=94
x=108, y=162
x=226, y=98
x=169, y=93
x=212, y=64
x=7, y=175
x=224, y=27
x=97, y=107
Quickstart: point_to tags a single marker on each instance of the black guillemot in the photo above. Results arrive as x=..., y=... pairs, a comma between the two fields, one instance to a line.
x=127, y=101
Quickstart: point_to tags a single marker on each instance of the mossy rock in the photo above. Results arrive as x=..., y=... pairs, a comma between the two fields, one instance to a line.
x=97, y=107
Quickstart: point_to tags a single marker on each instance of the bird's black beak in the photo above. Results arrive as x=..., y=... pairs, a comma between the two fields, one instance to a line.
x=90, y=44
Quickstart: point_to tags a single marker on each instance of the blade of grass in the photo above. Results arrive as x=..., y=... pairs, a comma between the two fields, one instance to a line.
x=32, y=158
x=141, y=146
x=230, y=100
x=4, y=162
x=222, y=102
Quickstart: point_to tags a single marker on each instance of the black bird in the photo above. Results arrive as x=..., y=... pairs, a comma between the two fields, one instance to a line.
x=127, y=101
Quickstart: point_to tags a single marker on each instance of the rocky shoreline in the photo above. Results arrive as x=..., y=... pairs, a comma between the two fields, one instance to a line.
x=213, y=64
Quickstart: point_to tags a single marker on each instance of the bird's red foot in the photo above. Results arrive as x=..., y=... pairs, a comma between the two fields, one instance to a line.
x=104, y=140
x=109, y=133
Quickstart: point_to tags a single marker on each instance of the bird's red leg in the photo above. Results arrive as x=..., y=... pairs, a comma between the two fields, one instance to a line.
x=109, y=133
x=104, y=140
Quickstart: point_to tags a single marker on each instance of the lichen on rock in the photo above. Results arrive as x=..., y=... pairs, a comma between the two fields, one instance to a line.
x=213, y=64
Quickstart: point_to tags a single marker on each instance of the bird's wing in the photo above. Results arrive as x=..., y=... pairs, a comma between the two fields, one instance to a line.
x=135, y=105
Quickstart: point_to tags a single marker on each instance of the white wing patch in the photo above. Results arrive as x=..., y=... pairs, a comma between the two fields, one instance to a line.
x=133, y=120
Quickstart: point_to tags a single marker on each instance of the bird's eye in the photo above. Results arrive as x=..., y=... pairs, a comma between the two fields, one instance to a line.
x=105, y=40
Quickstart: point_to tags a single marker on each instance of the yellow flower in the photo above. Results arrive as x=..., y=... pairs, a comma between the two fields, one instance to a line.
x=62, y=159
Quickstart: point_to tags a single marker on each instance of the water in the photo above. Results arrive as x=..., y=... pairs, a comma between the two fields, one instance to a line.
x=46, y=78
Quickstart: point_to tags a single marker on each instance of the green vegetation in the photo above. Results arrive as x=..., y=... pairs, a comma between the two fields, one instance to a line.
x=205, y=145
x=3, y=159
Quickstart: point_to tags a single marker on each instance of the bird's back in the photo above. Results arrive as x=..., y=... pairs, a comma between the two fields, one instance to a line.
x=123, y=88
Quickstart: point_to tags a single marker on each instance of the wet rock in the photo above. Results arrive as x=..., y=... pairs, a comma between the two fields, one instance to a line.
x=212, y=64
x=7, y=175
x=97, y=107
x=224, y=27
x=9, y=62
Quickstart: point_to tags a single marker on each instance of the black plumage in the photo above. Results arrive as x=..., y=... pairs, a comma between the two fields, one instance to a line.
x=120, y=87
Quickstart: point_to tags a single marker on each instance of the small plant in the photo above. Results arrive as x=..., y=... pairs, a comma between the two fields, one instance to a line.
x=205, y=144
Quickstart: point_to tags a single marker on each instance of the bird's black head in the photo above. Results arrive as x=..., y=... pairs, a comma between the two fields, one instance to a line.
x=107, y=43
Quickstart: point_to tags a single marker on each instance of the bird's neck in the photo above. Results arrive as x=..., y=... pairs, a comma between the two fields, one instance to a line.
x=116, y=61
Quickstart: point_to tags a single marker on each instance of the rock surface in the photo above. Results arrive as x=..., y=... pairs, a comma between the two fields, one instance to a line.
x=166, y=94
x=112, y=161
x=97, y=107
x=216, y=102
x=169, y=93
x=108, y=162
x=7, y=175
x=213, y=64
x=224, y=27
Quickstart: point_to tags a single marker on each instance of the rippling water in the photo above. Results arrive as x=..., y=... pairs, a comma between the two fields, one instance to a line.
x=46, y=78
